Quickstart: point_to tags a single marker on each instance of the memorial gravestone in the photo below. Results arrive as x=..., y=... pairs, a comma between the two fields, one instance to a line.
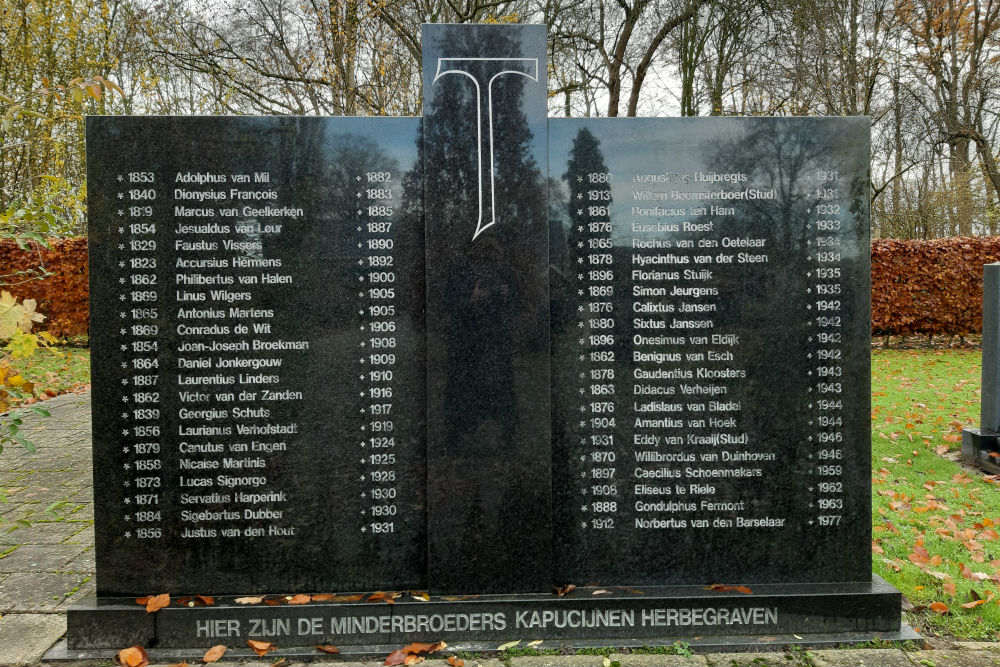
x=981, y=446
x=481, y=354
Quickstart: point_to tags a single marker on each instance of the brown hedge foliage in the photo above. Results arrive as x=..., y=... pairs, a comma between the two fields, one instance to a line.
x=62, y=297
x=918, y=287
x=930, y=287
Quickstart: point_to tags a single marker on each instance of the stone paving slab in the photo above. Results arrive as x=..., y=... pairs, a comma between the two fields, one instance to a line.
x=40, y=558
x=24, y=638
x=956, y=658
x=768, y=659
x=882, y=657
x=658, y=660
x=41, y=592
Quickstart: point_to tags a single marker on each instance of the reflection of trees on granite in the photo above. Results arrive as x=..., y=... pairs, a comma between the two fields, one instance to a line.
x=487, y=333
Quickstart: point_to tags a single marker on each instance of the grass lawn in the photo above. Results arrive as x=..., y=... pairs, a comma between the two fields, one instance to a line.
x=933, y=521
x=56, y=372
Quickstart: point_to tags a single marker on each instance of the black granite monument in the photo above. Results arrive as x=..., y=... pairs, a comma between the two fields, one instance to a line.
x=981, y=446
x=476, y=357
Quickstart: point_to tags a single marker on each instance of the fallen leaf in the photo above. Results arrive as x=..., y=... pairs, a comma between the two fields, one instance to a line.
x=205, y=599
x=397, y=657
x=949, y=588
x=974, y=603
x=261, y=648
x=455, y=662
x=565, y=590
x=418, y=647
x=412, y=659
x=722, y=588
x=534, y=643
x=280, y=662
x=182, y=663
x=274, y=602
x=939, y=607
x=327, y=648
x=214, y=653
x=133, y=656
x=347, y=598
x=388, y=596
x=157, y=602
x=301, y=598
x=508, y=645
x=250, y=600
x=322, y=597
x=601, y=591
x=420, y=595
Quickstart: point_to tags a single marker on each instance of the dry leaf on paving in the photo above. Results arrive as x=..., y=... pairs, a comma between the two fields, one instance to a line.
x=508, y=645
x=347, y=598
x=250, y=600
x=322, y=597
x=723, y=588
x=327, y=648
x=397, y=657
x=455, y=662
x=420, y=595
x=214, y=653
x=261, y=648
x=133, y=656
x=412, y=659
x=157, y=602
x=388, y=596
x=301, y=598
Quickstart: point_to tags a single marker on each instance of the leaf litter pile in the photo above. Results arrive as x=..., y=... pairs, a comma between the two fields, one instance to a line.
x=935, y=532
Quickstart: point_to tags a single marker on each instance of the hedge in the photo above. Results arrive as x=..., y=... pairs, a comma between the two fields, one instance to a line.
x=61, y=297
x=918, y=287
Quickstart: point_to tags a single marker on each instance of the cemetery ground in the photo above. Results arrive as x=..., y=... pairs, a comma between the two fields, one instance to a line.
x=935, y=521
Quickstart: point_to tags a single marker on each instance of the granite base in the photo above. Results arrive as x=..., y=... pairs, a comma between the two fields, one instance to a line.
x=611, y=615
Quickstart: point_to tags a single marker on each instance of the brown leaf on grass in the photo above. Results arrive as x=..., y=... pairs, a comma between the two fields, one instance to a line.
x=250, y=600
x=133, y=656
x=723, y=588
x=261, y=648
x=301, y=598
x=327, y=648
x=974, y=603
x=157, y=602
x=455, y=662
x=939, y=607
x=949, y=588
x=565, y=590
x=388, y=596
x=214, y=653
